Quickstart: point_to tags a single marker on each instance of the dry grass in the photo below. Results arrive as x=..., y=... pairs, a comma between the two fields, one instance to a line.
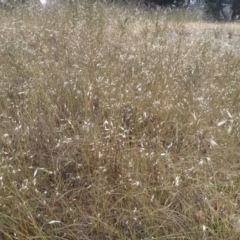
x=118, y=124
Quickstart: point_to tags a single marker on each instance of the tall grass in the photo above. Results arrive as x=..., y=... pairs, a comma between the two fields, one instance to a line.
x=118, y=124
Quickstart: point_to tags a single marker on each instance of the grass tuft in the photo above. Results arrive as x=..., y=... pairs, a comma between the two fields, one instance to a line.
x=118, y=123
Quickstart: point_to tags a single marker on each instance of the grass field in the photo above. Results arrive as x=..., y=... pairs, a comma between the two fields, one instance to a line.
x=118, y=123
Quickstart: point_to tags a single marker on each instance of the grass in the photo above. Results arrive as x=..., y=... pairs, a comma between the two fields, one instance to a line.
x=118, y=123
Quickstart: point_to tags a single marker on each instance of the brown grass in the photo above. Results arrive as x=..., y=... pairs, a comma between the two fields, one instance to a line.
x=118, y=124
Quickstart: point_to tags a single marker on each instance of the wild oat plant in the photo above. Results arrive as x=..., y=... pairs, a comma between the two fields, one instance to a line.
x=118, y=123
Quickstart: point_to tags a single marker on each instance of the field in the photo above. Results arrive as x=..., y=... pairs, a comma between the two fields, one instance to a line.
x=118, y=123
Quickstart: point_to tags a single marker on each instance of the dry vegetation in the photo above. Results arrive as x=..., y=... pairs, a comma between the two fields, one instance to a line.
x=118, y=124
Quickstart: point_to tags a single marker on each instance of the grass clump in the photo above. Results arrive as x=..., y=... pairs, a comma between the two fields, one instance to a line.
x=117, y=124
